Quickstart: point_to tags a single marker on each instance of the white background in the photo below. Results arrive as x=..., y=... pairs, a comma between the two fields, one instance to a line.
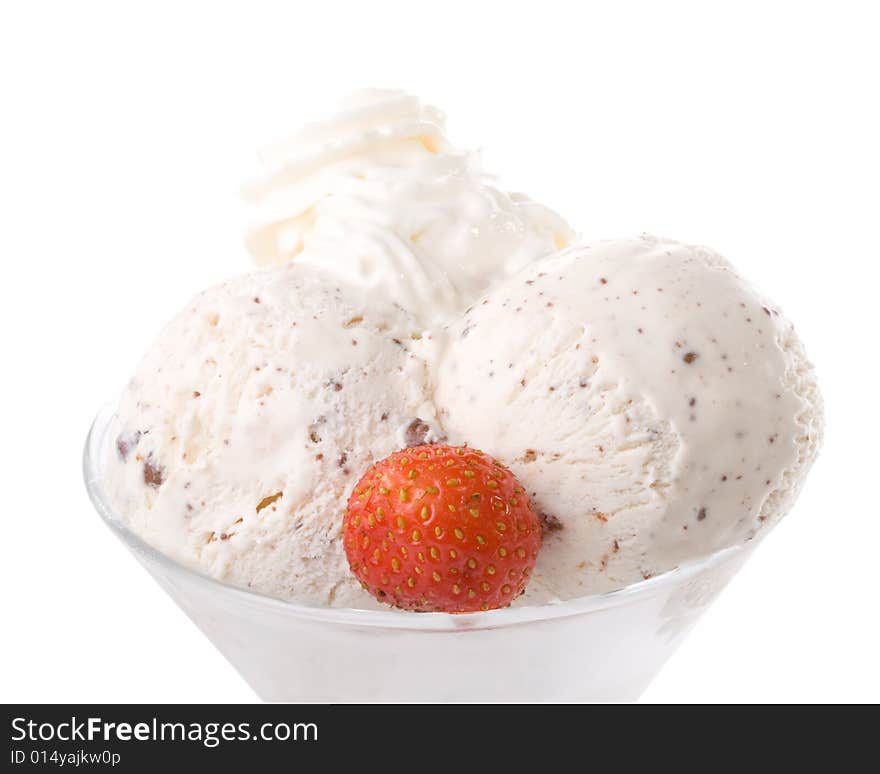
x=126, y=129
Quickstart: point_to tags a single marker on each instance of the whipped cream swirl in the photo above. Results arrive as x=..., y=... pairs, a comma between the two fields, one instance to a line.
x=379, y=196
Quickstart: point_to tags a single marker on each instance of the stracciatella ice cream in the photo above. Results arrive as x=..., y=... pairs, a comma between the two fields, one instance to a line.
x=655, y=407
x=653, y=404
x=248, y=420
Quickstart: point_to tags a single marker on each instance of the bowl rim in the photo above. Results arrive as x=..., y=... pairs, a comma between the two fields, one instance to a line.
x=380, y=619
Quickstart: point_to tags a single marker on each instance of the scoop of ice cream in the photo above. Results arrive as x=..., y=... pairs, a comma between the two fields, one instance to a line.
x=379, y=197
x=245, y=425
x=656, y=408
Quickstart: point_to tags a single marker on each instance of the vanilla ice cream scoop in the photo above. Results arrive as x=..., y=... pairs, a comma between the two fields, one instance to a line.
x=245, y=425
x=378, y=196
x=655, y=407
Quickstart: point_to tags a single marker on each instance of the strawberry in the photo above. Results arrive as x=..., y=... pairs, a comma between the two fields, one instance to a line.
x=441, y=528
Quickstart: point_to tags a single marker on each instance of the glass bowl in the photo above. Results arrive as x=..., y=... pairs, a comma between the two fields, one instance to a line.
x=604, y=647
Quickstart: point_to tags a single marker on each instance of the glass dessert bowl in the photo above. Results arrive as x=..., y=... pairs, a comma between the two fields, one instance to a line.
x=603, y=647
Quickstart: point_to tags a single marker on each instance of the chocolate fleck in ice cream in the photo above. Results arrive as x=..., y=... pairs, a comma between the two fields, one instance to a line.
x=655, y=407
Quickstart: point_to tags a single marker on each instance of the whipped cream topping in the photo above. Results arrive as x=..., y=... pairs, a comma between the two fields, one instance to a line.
x=379, y=197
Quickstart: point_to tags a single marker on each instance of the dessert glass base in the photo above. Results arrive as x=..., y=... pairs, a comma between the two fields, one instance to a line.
x=604, y=647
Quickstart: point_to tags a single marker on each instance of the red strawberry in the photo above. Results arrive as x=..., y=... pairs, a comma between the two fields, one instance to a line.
x=441, y=528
